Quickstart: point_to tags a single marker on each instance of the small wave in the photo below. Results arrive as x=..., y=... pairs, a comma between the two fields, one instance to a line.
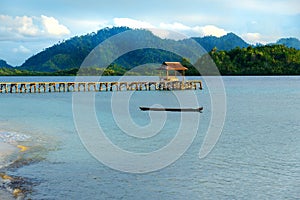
x=8, y=141
x=13, y=137
x=10, y=158
x=12, y=185
x=5, y=151
x=17, y=186
x=4, y=162
x=25, y=150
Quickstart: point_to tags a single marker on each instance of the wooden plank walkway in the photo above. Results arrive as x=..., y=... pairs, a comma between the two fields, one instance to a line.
x=38, y=87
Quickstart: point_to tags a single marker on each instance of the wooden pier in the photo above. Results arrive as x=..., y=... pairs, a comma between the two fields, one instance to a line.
x=38, y=87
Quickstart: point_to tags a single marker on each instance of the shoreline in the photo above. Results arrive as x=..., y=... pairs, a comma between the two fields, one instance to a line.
x=5, y=151
x=5, y=195
x=19, y=147
x=7, y=189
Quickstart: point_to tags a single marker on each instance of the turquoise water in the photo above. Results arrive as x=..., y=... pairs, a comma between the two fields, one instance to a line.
x=256, y=157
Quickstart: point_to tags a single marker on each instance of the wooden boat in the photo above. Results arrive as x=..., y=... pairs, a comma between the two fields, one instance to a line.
x=172, y=109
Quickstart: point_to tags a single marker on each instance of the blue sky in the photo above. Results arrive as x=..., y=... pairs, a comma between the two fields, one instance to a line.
x=29, y=26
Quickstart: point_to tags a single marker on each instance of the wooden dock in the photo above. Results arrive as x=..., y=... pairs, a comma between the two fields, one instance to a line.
x=38, y=87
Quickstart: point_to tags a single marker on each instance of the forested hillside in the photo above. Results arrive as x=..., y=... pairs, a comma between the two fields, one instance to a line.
x=232, y=55
x=3, y=64
x=226, y=42
x=262, y=60
x=71, y=53
x=290, y=42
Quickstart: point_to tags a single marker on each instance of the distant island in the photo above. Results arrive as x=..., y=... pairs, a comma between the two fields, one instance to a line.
x=231, y=54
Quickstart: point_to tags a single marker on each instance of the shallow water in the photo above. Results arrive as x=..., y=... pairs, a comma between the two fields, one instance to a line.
x=256, y=157
x=5, y=150
x=5, y=195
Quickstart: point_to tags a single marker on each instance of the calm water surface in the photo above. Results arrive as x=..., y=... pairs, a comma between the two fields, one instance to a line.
x=256, y=157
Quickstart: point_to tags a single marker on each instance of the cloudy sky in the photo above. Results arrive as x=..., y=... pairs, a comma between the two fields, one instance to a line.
x=29, y=26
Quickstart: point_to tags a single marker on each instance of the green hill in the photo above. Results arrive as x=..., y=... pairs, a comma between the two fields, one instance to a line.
x=290, y=42
x=232, y=55
x=261, y=60
x=226, y=42
x=3, y=64
x=70, y=54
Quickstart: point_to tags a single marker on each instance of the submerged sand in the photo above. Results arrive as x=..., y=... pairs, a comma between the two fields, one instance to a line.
x=4, y=195
x=5, y=150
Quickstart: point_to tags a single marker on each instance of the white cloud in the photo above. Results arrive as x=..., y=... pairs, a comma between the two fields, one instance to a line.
x=53, y=27
x=174, y=26
x=19, y=25
x=253, y=38
x=174, y=30
x=210, y=30
x=22, y=27
x=195, y=30
x=21, y=49
x=168, y=34
x=85, y=26
x=132, y=23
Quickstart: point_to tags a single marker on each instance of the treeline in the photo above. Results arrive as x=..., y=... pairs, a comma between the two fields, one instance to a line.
x=71, y=53
x=112, y=70
x=261, y=60
x=17, y=72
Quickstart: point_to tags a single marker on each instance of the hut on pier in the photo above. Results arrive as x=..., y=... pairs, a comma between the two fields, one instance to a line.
x=170, y=71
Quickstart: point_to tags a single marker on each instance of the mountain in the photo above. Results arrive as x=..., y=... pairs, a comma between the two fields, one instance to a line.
x=259, y=60
x=71, y=53
x=3, y=64
x=226, y=42
x=68, y=55
x=290, y=42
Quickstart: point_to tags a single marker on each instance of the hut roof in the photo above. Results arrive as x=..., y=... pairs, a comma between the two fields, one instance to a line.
x=172, y=66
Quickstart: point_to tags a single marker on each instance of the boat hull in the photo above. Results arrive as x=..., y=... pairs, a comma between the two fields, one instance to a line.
x=172, y=109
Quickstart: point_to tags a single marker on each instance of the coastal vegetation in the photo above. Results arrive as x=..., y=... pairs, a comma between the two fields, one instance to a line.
x=261, y=60
x=230, y=53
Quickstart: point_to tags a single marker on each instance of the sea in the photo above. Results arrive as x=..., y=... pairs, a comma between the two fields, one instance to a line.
x=255, y=154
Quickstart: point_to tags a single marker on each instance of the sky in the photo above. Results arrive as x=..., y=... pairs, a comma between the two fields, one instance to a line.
x=29, y=26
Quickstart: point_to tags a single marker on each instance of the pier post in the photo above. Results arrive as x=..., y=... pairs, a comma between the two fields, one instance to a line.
x=23, y=86
x=52, y=85
x=3, y=85
x=81, y=84
x=40, y=85
x=30, y=87
x=69, y=85
x=33, y=87
x=13, y=85
x=200, y=85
